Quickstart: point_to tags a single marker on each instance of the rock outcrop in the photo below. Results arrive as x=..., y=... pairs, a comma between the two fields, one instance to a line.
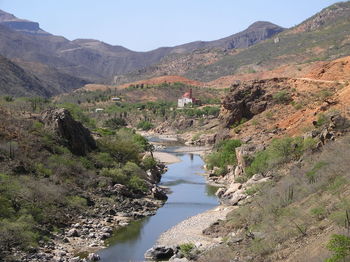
x=247, y=99
x=77, y=137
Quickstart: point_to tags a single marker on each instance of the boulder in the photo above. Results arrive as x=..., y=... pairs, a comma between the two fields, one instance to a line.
x=93, y=257
x=159, y=253
x=159, y=194
x=72, y=233
x=234, y=198
x=76, y=137
x=232, y=189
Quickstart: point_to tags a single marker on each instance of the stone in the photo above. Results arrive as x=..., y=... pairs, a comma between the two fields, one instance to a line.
x=72, y=233
x=79, y=139
x=232, y=189
x=159, y=252
x=257, y=177
x=220, y=192
x=254, y=182
x=159, y=194
x=93, y=257
x=234, y=240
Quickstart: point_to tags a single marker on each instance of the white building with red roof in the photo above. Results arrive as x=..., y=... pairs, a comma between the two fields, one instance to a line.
x=187, y=98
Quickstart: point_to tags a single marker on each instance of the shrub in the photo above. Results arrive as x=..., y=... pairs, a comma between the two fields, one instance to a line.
x=137, y=184
x=116, y=174
x=149, y=163
x=282, y=97
x=144, y=125
x=76, y=202
x=339, y=245
x=186, y=249
x=224, y=155
x=19, y=232
x=9, y=98
x=321, y=120
x=278, y=152
x=103, y=159
x=115, y=123
x=78, y=114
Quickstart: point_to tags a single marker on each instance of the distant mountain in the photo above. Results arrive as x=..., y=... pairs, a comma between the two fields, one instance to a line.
x=30, y=79
x=324, y=36
x=15, y=81
x=97, y=61
x=254, y=34
x=21, y=25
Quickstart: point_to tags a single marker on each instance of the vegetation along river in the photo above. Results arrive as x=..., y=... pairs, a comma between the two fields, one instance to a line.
x=190, y=195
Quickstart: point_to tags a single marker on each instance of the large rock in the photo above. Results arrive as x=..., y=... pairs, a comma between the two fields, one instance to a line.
x=93, y=257
x=77, y=137
x=248, y=98
x=159, y=253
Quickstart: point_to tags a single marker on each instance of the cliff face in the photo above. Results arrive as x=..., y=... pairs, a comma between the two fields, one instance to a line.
x=77, y=137
x=247, y=99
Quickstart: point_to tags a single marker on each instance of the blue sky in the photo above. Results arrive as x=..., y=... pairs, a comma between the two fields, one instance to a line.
x=143, y=25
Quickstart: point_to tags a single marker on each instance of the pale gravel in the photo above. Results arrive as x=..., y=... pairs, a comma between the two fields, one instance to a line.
x=190, y=230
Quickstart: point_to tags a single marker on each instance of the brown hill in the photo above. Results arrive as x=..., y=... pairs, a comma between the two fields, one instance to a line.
x=153, y=81
x=97, y=61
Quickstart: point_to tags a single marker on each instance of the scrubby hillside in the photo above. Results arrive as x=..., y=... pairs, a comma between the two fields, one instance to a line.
x=283, y=162
x=54, y=175
x=322, y=37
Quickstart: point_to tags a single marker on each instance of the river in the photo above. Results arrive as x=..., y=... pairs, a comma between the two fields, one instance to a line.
x=189, y=196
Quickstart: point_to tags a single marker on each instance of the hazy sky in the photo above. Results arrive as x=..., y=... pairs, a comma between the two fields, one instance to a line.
x=148, y=24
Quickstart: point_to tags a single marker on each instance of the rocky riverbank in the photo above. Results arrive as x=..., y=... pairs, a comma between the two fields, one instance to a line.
x=78, y=241
x=191, y=229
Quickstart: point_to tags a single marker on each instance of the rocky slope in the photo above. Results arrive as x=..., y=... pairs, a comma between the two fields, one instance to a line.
x=325, y=36
x=321, y=37
x=15, y=81
x=279, y=115
x=60, y=195
x=97, y=61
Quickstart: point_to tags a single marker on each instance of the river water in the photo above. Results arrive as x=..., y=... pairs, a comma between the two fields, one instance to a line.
x=189, y=196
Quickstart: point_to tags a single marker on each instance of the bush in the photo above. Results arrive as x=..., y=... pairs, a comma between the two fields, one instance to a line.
x=144, y=125
x=340, y=246
x=186, y=248
x=137, y=184
x=116, y=174
x=278, y=152
x=76, y=202
x=18, y=233
x=282, y=97
x=321, y=120
x=149, y=163
x=115, y=123
x=224, y=155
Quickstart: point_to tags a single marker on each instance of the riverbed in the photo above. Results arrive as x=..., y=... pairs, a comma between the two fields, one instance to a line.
x=189, y=196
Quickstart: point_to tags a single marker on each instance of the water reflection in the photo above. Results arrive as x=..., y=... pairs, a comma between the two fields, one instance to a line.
x=190, y=196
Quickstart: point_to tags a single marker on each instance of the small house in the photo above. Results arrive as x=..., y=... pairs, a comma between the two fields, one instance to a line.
x=187, y=99
x=99, y=110
x=115, y=99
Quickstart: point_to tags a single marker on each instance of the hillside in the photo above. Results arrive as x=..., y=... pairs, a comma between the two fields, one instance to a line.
x=289, y=179
x=15, y=81
x=325, y=36
x=97, y=61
